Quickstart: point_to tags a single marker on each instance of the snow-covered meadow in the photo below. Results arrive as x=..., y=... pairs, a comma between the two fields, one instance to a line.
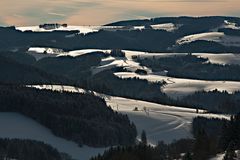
x=81, y=29
x=219, y=37
x=91, y=29
x=180, y=87
x=42, y=52
x=161, y=122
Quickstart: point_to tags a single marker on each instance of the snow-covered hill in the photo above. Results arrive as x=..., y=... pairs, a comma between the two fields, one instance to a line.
x=90, y=29
x=175, y=88
x=218, y=37
x=180, y=87
x=161, y=122
x=15, y=125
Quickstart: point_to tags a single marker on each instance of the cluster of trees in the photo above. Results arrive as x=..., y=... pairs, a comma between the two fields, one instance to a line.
x=83, y=118
x=202, y=46
x=146, y=152
x=76, y=68
x=213, y=101
x=211, y=136
x=134, y=88
x=217, y=135
x=230, y=31
x=117, y=53
x=28, y=150
x=13, y=72
x=193, y=67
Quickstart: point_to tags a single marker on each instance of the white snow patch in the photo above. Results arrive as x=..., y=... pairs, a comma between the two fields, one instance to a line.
x=223, y=58
x=42, y=52
x=83, y=51
x=218, y=157
x=220, y=58
x=139, y=27
x=218, y=37
x=210, y=36
x=45, y=50
x=126, y=62
x=170, y=27
x=231, y=25
x=18, y=126
x=81, y=29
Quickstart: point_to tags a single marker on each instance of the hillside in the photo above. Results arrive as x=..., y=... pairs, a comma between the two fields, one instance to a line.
x=83, y=118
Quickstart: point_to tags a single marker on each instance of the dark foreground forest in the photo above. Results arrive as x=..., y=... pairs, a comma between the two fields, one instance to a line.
x=28, y=150
x=83, y=118
x=211, y=136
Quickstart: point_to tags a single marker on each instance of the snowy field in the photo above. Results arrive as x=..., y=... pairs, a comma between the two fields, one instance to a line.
x=81, y=29
x=180, y=87
x=219, y=37
x=106, y=63
x=18, y=126
x=113, y=62
x=225, y=58
x=90, y=29
x=220, y=58
x=161, y=122
x=170, y=27
x=218, y=157
x=41, y=52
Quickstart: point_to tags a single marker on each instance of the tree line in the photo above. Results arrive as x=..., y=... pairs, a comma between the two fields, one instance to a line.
x=28, y=150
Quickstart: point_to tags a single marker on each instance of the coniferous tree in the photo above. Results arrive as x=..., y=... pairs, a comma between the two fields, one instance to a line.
x=144, y=137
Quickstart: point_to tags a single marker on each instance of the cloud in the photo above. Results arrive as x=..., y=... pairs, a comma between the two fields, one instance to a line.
x=87, y=12
x=57, y=14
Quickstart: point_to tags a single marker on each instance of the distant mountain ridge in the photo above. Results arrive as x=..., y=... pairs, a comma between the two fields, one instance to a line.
x=153, y=35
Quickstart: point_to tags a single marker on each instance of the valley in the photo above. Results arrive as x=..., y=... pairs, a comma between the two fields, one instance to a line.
x=87, y=91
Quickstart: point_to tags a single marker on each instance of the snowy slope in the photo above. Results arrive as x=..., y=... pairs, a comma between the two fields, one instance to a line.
x=220, y=58
x=112, y=62
x=170, y=27
x=219, y=37
x=180, y=87
x=231, y=25
x=81, y=29
x=90, y=29
x=160, y=122
x=42, y=52
x=15, y=125
x=225, y=58
x=218, y=157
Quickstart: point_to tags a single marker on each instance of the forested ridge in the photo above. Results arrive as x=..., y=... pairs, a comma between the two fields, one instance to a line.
x=153, y=40
x=192, y=67
x=213, y=101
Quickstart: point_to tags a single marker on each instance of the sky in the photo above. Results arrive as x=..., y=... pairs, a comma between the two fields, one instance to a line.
x=99, y=12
